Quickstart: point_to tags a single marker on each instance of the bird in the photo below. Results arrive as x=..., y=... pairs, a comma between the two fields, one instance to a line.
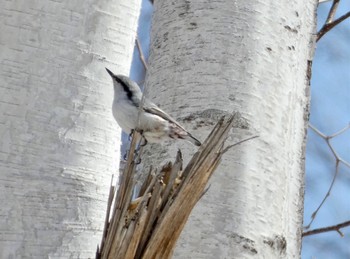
x=155, y=125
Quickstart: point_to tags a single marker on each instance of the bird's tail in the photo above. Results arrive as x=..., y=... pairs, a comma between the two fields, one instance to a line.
x=177, y=132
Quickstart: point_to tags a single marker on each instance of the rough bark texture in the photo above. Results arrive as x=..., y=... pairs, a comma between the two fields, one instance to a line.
x=210, y=58
x=58, y=142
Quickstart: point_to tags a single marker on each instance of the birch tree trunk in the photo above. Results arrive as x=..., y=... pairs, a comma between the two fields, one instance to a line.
x=211, y=58
x=59, y=144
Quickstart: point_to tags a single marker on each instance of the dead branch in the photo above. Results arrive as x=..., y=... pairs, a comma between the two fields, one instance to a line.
x=149, y=226
x=338, y=160
x=313, y=216
x=328, y=229
x=142, y=57
x=330, y=25
x=332, y=11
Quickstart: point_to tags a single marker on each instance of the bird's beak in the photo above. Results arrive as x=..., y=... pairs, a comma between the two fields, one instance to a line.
x=110, y=72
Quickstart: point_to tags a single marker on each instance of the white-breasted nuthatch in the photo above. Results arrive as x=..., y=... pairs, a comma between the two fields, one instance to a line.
x=154, y=123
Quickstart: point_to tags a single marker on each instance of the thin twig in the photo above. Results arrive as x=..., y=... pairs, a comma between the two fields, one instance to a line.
x=332, y=11
x=142, y=57
x=205, y=191
x=317, y=131
x=338, y=160
x=340, y=131
x=328, y=229
x=313, y=216
x=112, y=192
x=335, y=154
x=328, y=138
x=328, y=26
x=238, y=143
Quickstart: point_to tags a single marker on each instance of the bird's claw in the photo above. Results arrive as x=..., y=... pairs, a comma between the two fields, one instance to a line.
x=131, y=133
x=125, y=156
x=136, y=155
x=144, y=143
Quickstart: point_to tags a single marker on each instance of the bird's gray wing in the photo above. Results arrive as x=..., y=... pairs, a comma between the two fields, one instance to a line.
x=153, y=109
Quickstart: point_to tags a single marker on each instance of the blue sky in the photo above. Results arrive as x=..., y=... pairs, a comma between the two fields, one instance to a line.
x=330, y=112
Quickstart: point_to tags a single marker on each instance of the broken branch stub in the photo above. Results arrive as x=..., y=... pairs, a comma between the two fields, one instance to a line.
x=149, y=226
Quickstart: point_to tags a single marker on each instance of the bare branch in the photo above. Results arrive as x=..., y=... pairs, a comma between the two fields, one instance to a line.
x=205, y=191
x=340, y=131
x=338, y=160
x=238, y=143
x=109, y=206
x=332, y=11
x=328, y=26
x=328, y=138
x=328, y=229
x=314, y=214
x=142, y=57
x=317, y=131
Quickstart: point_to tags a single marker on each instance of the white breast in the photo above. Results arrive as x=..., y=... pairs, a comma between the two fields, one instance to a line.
x=126, y=115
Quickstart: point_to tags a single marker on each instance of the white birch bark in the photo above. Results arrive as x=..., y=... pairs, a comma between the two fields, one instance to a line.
x=211, y=58
x=59, y=144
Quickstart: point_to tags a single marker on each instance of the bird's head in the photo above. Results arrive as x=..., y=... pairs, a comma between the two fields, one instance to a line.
x=124, y=86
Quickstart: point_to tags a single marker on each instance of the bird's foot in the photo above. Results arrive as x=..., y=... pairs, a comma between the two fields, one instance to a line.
x=143, y=141
x=136, y=155
x=125, y=156
x=131, y=133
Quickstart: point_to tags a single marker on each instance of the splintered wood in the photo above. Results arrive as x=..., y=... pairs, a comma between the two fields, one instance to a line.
x=149, y=226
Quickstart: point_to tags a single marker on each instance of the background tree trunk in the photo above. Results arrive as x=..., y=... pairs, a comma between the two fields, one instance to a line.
x=211, y=58
x=59, y=144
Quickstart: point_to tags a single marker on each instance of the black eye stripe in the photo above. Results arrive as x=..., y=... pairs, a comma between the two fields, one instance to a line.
x=125, y=87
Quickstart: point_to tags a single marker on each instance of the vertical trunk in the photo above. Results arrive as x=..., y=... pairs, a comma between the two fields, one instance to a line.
x=59, y=144
x=211, y=58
